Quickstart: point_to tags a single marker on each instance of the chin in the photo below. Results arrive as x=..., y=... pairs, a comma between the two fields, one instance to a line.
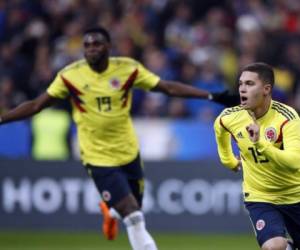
x=93, y=60
x=244, y=105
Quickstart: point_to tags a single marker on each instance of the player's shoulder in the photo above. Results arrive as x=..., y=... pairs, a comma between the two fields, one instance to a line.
x=73, y=66
x=230, y=115
x=284, y=110
x=232, y=111
x=124, y=61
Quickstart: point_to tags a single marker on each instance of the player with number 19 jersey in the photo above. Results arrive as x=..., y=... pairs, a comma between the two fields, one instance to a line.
x=101, y=107
x=270, y=174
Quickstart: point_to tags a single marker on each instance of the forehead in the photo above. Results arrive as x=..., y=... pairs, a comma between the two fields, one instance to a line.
x=249, y=76
x=94, y=37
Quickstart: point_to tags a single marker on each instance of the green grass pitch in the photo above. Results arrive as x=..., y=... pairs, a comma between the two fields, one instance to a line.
x=21, y=240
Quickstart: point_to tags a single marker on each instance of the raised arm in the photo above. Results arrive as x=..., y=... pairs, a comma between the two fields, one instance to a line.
x=28, y=108
x=289, y=156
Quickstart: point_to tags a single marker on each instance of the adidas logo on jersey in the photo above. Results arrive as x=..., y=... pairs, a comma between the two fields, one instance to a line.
x=86, y=87
x=240, y=135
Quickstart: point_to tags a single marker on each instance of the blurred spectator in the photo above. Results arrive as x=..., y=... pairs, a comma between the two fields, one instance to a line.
x=42, y=73
x=9, y=96
x=50, y=130
x=209, y=79
x=67, y=48
x=176, y=34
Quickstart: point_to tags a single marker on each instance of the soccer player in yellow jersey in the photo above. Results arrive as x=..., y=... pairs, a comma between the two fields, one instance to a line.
x=100, y=90
x=268, y=136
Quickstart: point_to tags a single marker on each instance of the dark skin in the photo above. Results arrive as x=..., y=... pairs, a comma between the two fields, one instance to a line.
x=96, y=52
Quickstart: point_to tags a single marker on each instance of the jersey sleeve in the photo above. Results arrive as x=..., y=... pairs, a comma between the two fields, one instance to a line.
x=57, y=88
x=223, y=139
x=289, y=157
x=145, y=79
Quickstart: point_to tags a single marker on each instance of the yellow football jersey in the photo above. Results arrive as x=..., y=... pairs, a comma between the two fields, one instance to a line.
x=271, y=166
x=101, y=107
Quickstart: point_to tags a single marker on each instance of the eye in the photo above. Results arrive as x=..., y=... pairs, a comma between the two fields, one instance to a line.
x=97, y=44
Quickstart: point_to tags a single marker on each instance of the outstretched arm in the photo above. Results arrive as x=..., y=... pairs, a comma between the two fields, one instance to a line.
x=28, y=108
x=178, y=89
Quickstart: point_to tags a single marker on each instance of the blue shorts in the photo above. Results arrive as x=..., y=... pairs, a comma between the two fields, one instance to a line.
x=115, y=183
x=270, y=220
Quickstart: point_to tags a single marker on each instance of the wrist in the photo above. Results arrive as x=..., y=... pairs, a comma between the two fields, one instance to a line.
x=261, y=145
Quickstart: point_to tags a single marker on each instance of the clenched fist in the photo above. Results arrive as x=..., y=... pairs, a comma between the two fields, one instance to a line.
x=253, y=129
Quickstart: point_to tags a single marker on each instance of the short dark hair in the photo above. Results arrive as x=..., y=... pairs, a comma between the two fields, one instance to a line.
x=100, y=30
x=265, y=71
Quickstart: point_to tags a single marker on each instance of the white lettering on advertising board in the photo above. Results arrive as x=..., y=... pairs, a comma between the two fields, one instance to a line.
x=171, y=196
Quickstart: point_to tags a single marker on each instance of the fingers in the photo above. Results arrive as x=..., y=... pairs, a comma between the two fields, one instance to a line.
x=253, y=131
x=250, y=131
x=238, y=167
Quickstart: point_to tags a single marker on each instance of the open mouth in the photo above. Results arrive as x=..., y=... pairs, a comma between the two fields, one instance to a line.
x=243, y=99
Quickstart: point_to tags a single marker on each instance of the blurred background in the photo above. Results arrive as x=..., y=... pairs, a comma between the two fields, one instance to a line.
x=201, y=43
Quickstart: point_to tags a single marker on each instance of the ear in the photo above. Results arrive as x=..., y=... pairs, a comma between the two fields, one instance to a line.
x=267, y=89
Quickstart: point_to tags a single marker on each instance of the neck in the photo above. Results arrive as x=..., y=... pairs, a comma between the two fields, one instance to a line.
x=99, y=67
x=261, y=110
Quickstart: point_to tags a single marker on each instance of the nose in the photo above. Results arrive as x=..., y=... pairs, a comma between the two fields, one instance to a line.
x=242, y=88
x=91, y=50
x=91, y=47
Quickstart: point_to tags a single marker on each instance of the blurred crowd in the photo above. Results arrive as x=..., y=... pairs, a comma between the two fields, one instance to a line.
x=201, y=43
